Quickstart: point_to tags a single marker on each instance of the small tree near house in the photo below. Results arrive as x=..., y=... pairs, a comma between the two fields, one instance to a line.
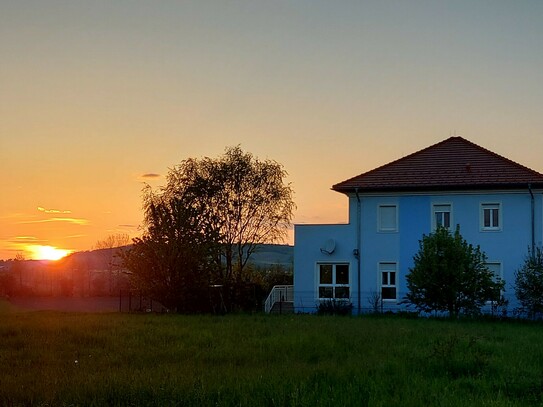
x=450, y=275
x=529, y=283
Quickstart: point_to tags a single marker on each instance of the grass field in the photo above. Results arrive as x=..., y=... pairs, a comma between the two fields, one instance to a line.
x=50, y=358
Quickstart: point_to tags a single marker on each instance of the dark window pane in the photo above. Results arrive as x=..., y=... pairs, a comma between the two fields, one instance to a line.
x=342, y=274
x=325, y=274
x=342, y=292
x=495, y=217
x=326, y=292
x=440, y=219
x=486, y=221
x=384, y=278
x=388, y=293
x=495, y=295
x=392, y=278
x=446, y=219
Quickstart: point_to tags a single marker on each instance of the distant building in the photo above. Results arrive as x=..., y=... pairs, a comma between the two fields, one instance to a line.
x=498, y=204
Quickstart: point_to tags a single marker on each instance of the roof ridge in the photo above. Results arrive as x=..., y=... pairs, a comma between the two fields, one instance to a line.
x=396, y=160
x=497, y=169
x=499, y=156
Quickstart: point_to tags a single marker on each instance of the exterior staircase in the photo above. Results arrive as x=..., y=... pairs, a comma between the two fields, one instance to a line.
x=283, y=307
x=280, y=300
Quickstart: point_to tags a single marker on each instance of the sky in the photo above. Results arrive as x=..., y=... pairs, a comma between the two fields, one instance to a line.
x=99, y=97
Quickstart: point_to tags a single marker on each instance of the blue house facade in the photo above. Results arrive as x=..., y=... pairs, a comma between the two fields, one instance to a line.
x=497, y=203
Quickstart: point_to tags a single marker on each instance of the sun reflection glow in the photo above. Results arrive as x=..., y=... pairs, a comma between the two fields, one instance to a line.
x=39, y=252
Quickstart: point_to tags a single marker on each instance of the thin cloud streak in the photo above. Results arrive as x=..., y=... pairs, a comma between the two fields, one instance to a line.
x=150, y=175
x=25, y=240
x=75, y=236
x=41, y=209
x=68, y=220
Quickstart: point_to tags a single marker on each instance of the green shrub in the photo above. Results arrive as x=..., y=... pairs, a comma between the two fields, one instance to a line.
x=334, y=307
x=529, y=284
x=450, y=275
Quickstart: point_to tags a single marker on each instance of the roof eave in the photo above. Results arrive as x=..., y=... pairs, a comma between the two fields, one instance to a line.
x=434, y=188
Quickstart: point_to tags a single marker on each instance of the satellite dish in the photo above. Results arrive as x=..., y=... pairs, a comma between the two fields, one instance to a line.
x=329, y=246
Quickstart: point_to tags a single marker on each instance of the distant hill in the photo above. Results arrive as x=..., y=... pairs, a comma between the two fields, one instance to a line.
x=273, y=254
x=87, y=274
x=265, y=255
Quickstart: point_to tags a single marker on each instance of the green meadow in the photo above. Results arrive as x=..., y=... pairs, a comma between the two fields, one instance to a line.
x=56, y=359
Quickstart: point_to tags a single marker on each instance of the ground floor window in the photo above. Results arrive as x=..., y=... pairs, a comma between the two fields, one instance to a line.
x=496, y=269
x=333, y=280
x=389, y=281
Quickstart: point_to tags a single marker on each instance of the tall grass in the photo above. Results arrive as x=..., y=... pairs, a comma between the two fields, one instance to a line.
x=113, y=359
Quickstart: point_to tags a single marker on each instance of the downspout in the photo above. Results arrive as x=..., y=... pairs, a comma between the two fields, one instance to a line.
x=532, y=218
x=357, y=250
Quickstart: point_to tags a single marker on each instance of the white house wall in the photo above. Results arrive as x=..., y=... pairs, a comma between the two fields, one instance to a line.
x=507, y=246
x=308, y=241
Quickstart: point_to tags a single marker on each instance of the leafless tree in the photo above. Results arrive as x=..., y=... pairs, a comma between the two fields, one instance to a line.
x=17, y=268
x=109, y=253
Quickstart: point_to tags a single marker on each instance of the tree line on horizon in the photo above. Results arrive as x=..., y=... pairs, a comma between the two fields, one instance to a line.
x=200, y=231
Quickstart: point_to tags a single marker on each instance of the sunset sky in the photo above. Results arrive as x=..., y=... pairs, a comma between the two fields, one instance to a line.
x=97, y=97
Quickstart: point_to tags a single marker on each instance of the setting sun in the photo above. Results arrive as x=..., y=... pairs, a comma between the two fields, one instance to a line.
x=47, y=252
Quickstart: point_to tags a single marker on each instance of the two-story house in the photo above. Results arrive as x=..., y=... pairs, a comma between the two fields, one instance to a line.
x=498, y=204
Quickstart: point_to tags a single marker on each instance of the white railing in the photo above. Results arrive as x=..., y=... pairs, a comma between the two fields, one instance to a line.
x=279, y=293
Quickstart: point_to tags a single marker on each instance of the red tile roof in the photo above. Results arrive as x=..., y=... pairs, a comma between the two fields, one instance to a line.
x=453, y=164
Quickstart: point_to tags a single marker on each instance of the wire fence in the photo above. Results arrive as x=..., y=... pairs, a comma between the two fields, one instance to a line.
x=372, y=303
x=135, y=301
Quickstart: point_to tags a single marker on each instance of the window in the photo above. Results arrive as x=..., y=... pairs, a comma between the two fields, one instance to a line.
x=496, y=269
x=388, y=218
x=441, y=216
x=334, y=281
x=490, y=216
x=389, y=281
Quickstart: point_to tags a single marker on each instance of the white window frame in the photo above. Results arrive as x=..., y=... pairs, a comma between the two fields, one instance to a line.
x=380, y=227
x=500, y=273
x=388, y=267
x=491, y=206
x=334, y=283
x=435, y=206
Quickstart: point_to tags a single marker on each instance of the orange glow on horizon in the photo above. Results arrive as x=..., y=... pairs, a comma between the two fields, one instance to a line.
x=39, y=252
